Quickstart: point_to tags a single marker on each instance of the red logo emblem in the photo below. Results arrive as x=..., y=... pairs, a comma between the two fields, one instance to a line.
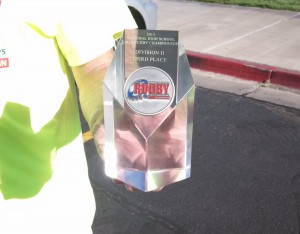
x=4, y=62
x=149, y=91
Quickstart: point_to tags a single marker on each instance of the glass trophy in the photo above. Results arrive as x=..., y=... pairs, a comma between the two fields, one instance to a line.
x=148, y=110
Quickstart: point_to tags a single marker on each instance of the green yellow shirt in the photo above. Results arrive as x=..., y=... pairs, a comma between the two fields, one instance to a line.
x=43, y=173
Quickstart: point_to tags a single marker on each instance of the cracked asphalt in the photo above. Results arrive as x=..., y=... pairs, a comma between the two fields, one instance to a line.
x=245, y=176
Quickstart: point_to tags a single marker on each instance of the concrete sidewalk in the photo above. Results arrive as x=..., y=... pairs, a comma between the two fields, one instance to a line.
x=254, y=44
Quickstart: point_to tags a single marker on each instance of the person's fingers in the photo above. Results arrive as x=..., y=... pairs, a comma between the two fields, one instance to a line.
x=100, y=148
x=117, y=181
x=130, y=188
x=99, y=138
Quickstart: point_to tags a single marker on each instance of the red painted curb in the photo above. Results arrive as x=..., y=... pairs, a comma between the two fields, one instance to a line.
x=286, y=78
x=244, y=69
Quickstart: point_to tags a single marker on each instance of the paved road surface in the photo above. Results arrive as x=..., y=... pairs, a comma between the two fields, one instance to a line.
x=245, y=176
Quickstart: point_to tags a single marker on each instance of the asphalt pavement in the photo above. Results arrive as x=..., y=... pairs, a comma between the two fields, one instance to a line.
x=245, y=176
x=246, y=152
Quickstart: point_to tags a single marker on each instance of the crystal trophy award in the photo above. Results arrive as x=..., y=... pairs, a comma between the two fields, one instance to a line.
x=148, y=110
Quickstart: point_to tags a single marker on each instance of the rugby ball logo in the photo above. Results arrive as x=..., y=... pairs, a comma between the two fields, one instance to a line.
x=149, y=91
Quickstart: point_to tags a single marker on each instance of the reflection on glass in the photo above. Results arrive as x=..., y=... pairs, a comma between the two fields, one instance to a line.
x=148, y=133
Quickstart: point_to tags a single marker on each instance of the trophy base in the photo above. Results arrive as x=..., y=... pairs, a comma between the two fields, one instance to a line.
x=148, y=180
